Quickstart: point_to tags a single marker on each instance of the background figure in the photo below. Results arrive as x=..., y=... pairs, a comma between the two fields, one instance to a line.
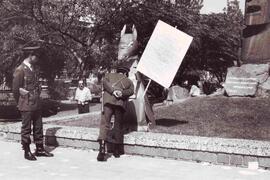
x=117, y=89
x=26, y=90
x=83, y=96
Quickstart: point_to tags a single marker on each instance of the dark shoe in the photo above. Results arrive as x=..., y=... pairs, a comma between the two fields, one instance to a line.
x=29, y=156
x=40, y=151
x=102, y=153
x=116, y=152
x=27, y=153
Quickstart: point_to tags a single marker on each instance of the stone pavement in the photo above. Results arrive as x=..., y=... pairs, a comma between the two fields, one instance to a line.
x=69, y=164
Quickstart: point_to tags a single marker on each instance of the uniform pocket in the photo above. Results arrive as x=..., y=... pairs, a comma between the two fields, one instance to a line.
x=33, y=97
x=28, y=80
x=23, y=100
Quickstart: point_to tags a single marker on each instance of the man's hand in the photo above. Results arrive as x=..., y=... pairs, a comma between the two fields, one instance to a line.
x=81, y=102
x=117, y=93
x=120, y=94
x=23, y=91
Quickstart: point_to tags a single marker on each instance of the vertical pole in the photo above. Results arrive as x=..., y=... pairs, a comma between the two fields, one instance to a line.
x=147, y=87
x=149, y=124
x=102, y=98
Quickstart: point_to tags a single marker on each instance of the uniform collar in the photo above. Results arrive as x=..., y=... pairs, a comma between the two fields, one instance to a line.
x=28, y=65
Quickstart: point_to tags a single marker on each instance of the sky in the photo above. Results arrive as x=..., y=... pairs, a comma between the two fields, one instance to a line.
x=216, y=6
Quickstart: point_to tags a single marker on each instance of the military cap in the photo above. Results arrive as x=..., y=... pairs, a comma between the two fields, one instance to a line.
x=30, y=49
x=124, y=66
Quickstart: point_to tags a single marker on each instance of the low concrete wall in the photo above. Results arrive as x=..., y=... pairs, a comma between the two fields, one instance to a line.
x=235, y=152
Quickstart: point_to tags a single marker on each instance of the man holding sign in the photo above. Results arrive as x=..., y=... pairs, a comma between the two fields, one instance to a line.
x=117, y=89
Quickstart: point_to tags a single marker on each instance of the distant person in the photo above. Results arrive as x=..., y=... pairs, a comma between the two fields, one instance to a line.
x=101, y=73
x=26, y=90
x=117, y=89
x=3, y=86
x=196, y=90
x=83, y=97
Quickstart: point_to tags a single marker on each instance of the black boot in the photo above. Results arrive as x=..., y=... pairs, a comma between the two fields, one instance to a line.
x=40, y=151
x=116, y=151
x=102, y=153
x=27, y=153
x=110, y=147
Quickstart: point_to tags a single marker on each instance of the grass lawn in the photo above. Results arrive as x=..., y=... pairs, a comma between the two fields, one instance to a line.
x=245, y=118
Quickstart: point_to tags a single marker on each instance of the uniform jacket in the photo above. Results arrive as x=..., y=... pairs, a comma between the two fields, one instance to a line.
x=25, y=79
x=117, y=81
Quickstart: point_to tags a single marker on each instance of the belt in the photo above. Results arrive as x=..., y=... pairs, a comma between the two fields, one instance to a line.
x=34, y=91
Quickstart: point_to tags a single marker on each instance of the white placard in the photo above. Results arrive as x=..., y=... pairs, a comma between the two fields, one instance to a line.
x=164, y=53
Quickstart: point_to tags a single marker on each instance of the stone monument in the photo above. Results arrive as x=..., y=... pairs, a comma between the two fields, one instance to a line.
x=256, y=35
x=252, y=78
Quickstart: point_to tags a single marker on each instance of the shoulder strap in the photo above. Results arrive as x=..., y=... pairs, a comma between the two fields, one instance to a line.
x=119, y=80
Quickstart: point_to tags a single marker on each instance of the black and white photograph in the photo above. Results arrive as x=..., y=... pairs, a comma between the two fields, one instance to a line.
x=134, y=89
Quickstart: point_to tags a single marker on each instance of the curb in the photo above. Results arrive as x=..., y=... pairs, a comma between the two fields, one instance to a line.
x=235, y=152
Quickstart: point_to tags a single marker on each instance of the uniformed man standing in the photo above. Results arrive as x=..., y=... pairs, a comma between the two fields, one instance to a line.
x=117, y=89
x=26, y=90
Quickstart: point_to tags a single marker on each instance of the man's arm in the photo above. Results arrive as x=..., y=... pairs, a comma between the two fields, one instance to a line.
x=18, y=78
x=76, y=97
x=107, y=85
x=129, y=91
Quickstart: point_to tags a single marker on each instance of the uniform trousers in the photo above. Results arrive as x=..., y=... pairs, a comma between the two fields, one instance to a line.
x=114, y=135
x=30, y=118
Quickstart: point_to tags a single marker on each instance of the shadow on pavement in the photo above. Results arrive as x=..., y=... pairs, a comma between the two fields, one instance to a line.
x=50, y=148
x=50, y=136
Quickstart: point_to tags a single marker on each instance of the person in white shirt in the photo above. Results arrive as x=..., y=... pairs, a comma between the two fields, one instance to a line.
x=83, y=96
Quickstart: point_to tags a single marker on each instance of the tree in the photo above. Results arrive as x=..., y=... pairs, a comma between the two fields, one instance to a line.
x=218, y=43
x=84, y=33
x=222, y=46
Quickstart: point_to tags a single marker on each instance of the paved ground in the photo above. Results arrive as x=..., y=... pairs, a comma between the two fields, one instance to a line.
x=70, y=164
x=81, y=164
